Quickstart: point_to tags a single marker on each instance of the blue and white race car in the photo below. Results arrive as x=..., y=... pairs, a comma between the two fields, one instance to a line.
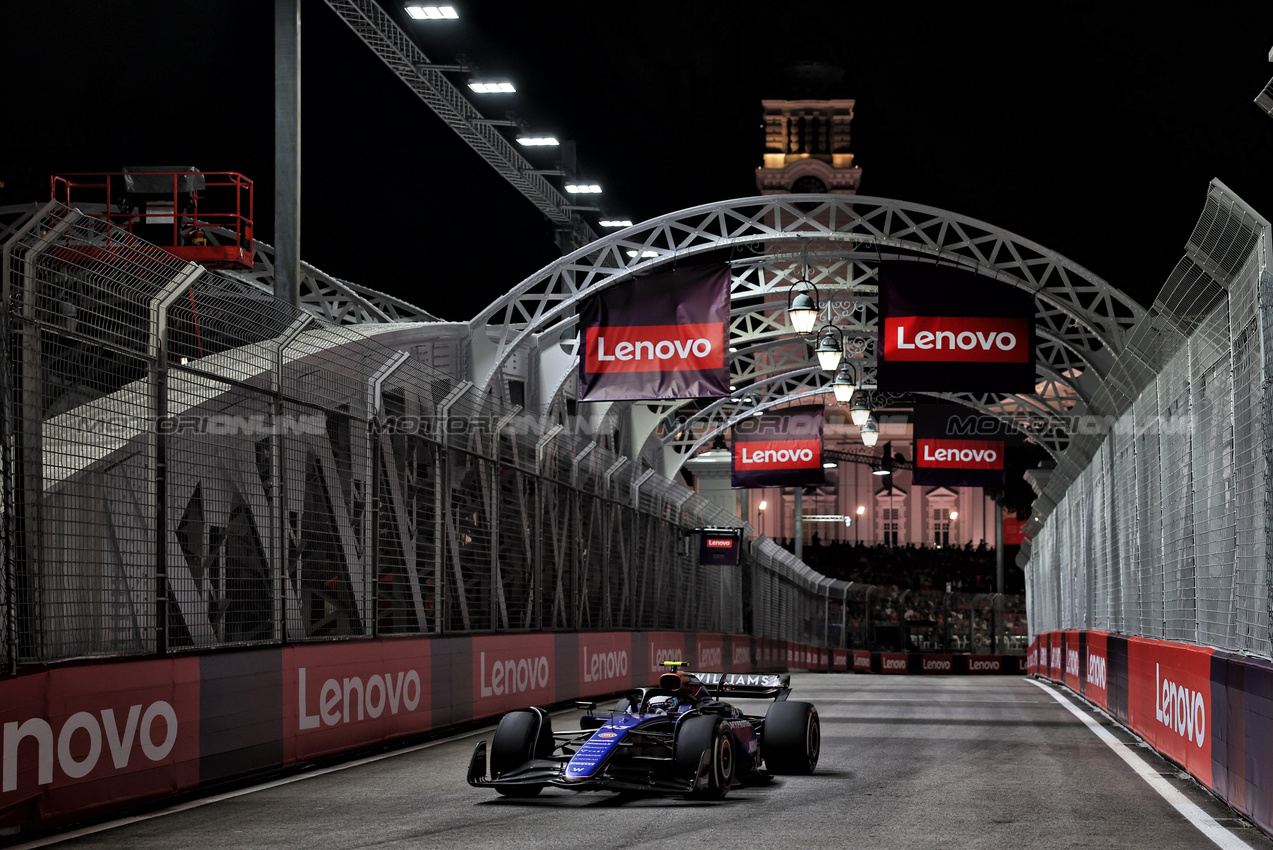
x=680, y=738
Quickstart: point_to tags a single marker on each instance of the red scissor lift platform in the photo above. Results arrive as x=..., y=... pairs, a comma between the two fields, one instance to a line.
x=203, y=217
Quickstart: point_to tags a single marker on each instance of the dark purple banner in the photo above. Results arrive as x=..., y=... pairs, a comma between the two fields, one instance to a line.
x=663, y=336
x=779, y=449
x=943, y=329
x=956, y=446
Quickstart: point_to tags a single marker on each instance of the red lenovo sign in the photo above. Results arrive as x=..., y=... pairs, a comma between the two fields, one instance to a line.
x=957, y=339
x=719, y=543
x=958, y=454
x=778, y=454
x=655, y=348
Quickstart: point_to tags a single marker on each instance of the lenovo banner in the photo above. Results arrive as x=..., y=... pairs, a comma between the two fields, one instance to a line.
x=779, y=450
x=943, y=329
x=1169, y=701
x=719, y=546
x=664, y=336
x=950, y=450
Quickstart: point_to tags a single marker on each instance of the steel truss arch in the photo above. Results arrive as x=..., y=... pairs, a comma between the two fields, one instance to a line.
x=1042, y=421
x=1072, y=303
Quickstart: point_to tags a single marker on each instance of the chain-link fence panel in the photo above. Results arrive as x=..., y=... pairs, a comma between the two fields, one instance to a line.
x=1164, y=533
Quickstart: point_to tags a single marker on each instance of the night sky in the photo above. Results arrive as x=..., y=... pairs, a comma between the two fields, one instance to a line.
x=1091, y=128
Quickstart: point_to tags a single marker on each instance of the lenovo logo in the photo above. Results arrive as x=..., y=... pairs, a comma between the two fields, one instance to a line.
x=655, y=348
x=894, y=663
x=936, y=665
x=1096, y=671
x=709, y=657
x=742, y=654
x=778, y=454
x=138, y=729
x=1179, y=709
x=720, y=543
x=599, y=666
x=961, y=454
x=352, y=699
x=861, y=662
x=657, y=657
x=513, y=675
x=956, y=339
x=977, y=665
x=1071, y=662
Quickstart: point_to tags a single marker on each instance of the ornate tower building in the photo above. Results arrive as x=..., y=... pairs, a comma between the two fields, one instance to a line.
x=807, y=137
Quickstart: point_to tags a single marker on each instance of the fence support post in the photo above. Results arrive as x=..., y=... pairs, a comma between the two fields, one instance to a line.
x=442, y=505
x=278, y=498
x=374, y=403
x=541, y=448
x=23, y=514
x=158, y=356
x=579, y=572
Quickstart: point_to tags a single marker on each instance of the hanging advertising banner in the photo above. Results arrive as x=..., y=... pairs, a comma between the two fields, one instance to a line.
x=943, y=329
x=663, y=336
x=719, y=546
x=957, y=447
x=779, y=449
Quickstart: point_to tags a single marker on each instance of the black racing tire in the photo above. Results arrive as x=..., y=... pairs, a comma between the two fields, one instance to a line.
x=519, y=737
x=791, y=739
x=697, y=735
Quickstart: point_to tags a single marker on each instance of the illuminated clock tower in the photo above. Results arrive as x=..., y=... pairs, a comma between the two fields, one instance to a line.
x=807, y=137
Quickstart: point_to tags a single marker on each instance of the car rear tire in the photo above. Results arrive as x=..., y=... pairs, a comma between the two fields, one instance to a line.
x=791, y=739
x=697, y=735
x=519, y=737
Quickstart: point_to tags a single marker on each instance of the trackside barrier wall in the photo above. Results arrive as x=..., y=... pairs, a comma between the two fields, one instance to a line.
x=90, y=739
x=1211, y=712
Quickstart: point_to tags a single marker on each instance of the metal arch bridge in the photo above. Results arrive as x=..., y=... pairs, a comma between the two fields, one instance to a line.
x=1083, y=324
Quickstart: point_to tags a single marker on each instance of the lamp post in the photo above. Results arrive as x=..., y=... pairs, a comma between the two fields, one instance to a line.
x=760, y=508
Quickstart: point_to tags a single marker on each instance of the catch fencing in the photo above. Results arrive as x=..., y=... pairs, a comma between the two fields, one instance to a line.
x=189, y=464
x=1164, y=533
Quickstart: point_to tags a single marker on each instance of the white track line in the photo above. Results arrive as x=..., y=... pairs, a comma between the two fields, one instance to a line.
x=265, y=786
x=1204, y=822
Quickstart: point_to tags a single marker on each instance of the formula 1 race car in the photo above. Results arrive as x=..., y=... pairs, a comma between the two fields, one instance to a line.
x=680, y=738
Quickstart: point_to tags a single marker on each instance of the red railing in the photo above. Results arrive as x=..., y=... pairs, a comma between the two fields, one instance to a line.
x=175, y=210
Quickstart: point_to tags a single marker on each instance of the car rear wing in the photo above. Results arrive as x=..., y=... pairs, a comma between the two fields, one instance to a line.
x=773, y=686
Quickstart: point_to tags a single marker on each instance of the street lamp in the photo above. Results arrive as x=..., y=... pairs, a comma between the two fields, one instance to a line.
x=830, y=350
x=843, y=384
x=870, y=433
x=761, y=510
x=802, y=309
x=860, y=409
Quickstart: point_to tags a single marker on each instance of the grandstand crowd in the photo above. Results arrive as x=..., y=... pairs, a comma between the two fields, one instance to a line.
x=924, y=598
x=966, y=568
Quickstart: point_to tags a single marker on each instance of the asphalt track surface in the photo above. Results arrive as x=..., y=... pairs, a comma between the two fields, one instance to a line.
x=907, y=762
